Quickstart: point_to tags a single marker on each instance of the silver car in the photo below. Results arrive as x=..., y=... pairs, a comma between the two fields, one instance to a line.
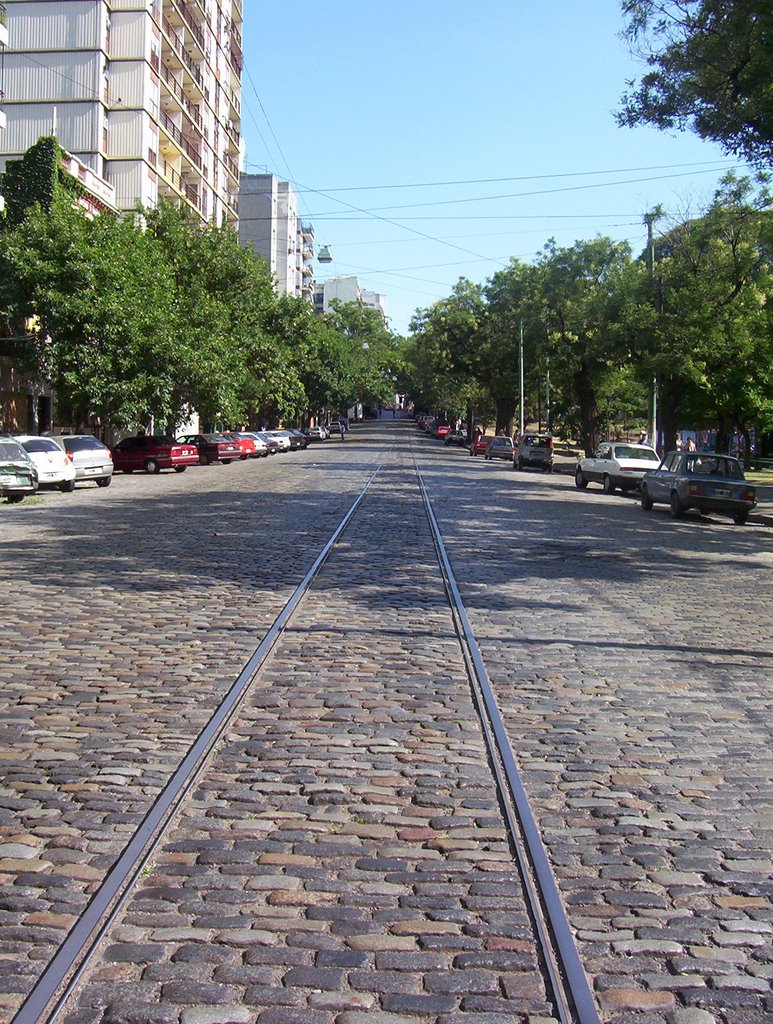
x=705, y=481
x=92, y=459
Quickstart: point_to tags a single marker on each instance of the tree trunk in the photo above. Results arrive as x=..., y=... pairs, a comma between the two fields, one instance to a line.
x=667, y=412
x=505, y=411
x=586, y=397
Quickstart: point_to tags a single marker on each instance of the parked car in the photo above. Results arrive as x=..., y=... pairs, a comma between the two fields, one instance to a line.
x=456, y=439
x=500, y=447
x=295, y=437
x=616, y=464
x=247, y=446
x=92, y=459
x=18, y=474
x=152, y=453
x=51, y=462
x=440, y=428
x=273, y=447
x=534, y=450
x=281, y=437
x=314, y=434
x=261, y=449
x=212, y=448
x=478, y=445
x=705, y=481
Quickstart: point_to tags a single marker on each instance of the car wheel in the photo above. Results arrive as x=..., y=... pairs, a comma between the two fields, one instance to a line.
x=677, y=508
x=579, y=479
x=152, y=466
x=103, y=481
x=205, y=460
x=226, y=462
x=13, y=499
x=242, y=457
x=646, y=500
x=180, y=469
x=607, y=486
x=67, y=486
x=740, y=517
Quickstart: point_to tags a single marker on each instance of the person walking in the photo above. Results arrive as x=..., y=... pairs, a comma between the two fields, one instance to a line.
x=342, y=429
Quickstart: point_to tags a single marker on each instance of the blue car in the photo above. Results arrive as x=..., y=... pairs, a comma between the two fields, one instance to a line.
x=706, y=481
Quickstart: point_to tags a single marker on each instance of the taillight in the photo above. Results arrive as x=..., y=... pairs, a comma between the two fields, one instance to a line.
x=69, y=455
x=695, y=489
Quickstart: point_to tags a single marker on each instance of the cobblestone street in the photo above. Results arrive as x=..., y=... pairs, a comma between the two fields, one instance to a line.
x=344, y=858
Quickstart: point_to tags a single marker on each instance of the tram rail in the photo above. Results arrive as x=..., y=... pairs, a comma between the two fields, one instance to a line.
x=566, y=980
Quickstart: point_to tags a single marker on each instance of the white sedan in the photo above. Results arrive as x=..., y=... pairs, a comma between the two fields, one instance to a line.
x=616, y=464
x=52, y=463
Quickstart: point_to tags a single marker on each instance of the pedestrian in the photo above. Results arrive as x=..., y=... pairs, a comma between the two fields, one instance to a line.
x=690, y=445
x=342, y=429
x=642, y=437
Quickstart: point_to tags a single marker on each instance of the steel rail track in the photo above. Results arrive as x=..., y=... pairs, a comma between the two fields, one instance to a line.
x=571, y=991
x=572, y=996
x=54, y=986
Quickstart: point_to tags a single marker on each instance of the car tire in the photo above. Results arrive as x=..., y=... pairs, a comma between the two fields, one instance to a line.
x=205, y=460
x=243, y=457
x=740, y=517
x=579, y=479
x=646, y=500
x=67, y=486
x=226, y=462
x=677, y=508
x=152, y=466
x=180, y=469
x=606, y=484
x=104, y=481
x=14, y=499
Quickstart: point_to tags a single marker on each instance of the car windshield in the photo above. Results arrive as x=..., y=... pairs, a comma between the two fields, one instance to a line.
x=627, y=451
x=10, y=450
x=40, y=444
x=82, y=444
x=715, y=465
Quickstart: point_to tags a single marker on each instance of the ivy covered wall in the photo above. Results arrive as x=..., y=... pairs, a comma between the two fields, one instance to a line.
x=38, y=177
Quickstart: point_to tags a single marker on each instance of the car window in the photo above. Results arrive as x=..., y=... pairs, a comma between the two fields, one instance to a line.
x=12, y=450
x=161, y=439
x=40, y=444
x=671, y=463
x=83, y=444
x=626, y=451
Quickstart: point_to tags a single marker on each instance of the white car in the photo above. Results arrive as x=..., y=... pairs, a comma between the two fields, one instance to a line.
x=52, y=464
x=261, y=448
x=616, y=464
x=92, y=459
x=282, y=438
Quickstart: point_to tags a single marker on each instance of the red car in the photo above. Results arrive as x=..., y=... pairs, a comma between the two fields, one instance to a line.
x=246, y=443
x=478, y=446
x=441, y=429
x=153, y=453
x=212, y=448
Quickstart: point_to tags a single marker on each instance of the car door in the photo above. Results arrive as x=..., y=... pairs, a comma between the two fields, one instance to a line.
x=596, y=464
x=659, y=483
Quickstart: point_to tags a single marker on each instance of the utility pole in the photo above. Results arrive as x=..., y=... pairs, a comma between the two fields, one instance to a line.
x=520, y=360
x=649, y=220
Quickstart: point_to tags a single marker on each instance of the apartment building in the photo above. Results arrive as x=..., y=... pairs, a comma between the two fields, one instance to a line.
x=347, y=289
x=146, y=94
x=3, y=44
x=269, y=222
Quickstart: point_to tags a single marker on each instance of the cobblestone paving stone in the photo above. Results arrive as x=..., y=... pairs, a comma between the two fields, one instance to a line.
x=344, y=859
x=632, y=659
x=131, y=608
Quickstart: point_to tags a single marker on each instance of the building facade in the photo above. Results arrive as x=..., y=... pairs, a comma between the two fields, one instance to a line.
x=269, y=222
x=3, y=44
x=146, y=94
x=347, y=289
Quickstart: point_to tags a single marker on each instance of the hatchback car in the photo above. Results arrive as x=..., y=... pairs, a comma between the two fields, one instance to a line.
x=53, y=466
x=246, y=442
x=616, y=464
x=92, y=459
x=261, y=451
x=273, y=447
x=314, y=434
x=153, y=453
x=705, y=481
x=212, y=448
x=500, y=447
x=281, y=437
x=456, y=439
x=535, y=450
x=18, y=473
x=478, y=445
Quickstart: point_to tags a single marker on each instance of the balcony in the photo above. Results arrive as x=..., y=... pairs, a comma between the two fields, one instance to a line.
x=178, y=50
x=189, y=19
x=176, y=90
x=231, y=166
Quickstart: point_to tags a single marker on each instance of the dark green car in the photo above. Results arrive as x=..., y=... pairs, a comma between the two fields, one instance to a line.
x=18, y=475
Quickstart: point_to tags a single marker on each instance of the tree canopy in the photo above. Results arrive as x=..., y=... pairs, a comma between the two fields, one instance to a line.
x=710, y=71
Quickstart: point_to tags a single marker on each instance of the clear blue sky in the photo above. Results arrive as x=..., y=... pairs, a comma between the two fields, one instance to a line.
x=370, y=108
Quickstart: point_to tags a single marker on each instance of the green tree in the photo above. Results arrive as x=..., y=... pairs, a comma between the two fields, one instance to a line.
x=710, y=62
